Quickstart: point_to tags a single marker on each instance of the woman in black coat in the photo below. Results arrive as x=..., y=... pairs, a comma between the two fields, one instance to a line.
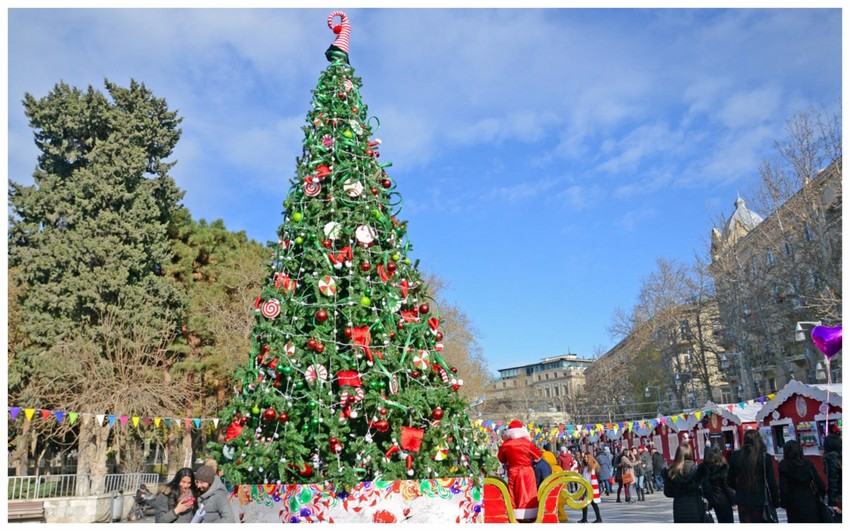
x=682, y=483
x=832, y=469
x=715, y=488
x=749, y=468
x=796, y=478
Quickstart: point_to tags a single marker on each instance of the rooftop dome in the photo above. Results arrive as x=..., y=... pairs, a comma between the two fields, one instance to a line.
x=743, y=219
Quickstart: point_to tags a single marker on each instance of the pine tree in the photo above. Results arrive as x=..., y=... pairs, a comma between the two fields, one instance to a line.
x=345, y=381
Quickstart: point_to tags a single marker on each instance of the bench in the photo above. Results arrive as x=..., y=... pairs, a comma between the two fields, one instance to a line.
x=26, y=511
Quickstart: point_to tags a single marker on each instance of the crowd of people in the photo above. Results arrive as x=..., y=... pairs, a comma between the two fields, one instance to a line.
x=713, y=489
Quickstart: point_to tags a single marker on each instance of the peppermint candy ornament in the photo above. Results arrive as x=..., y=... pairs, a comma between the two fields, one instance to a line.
x=352, y=188
x=348, y=85
x=311, y=189
x=365, y=234
x=270, y=308
x=316, y=372
x=421, y=361
x=355, y=126
x=393, y=385
x=327, y=286
x=289, y=349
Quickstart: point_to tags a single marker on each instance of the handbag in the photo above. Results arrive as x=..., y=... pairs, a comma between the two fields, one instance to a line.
x=612, y=481
x=825, y=512
x=628, y=477
x=768, y=513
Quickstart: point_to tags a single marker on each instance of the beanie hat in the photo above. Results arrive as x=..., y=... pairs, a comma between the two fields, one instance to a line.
x=205, y=474
x=516, y=424
x=516, y=430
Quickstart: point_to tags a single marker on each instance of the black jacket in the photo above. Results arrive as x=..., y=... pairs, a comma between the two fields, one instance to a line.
x=796, y=478
x=688, y=506
x=717, y=492
x=658, y=463
x=752, y=494
x=832, y=471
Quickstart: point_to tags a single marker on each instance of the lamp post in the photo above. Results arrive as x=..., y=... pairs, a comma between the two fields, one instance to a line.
x=647, y=394
x=800, y=336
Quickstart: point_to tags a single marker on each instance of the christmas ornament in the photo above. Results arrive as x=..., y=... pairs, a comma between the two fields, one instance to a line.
x=424, y=308
x=352, y=188
x=332, y=230
x=270, y=308
x=365, y=234
x=321, y=315
x=316, y=372
x=234, y=430
x=311, y=189
x=269, y=414
x=421, y=359
x=437, y=414
x=327, y=286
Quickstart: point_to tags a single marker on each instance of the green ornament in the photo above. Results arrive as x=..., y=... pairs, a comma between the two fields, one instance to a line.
x=297, y=216
x=299, y=240
x=255, y=410
x=299, y=384
x=347, y=133
x=407, y=261
x=314, y=421
x=365, y=301
x=312, y=404
x=396, y=257
x=285, y=369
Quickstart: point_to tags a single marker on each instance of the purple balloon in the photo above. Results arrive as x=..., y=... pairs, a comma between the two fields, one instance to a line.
x=828, y=340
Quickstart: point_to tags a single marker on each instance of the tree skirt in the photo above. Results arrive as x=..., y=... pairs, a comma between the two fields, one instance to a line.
x=415, y=501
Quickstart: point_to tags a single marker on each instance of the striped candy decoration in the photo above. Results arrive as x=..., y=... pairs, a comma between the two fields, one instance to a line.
x=314, y=372
x=270, y=309
x=343, y=30
x=327, y=286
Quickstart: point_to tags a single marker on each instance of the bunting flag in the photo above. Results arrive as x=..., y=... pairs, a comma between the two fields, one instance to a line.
x=135, y=420
x=45, y=414
x=14, y=411
x=72, y=417
x=29, y=413
x=59, y=415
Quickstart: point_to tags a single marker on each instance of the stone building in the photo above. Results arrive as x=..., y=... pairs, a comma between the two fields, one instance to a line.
x=773, y=276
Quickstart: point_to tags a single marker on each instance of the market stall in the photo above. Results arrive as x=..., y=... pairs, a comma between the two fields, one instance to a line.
x=724, y=424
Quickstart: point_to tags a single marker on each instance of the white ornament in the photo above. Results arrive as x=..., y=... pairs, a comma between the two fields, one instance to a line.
x=333, y=230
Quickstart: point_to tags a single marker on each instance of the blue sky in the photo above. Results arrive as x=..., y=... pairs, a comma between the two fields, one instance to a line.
x=546, y=157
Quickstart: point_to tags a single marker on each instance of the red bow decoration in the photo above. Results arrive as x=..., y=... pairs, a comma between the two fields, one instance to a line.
x=410, y=315
x=411, y=438
x=404, y=287
x=340, y=257
x=234, y=430
x=281, y=280
x=349, y=378
x=384, y=274
x=433, y=322
x=363, y=338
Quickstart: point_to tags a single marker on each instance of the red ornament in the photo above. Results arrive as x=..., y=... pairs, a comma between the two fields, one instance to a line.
x=424, y=309
x=386, y=183
x=365, y=266
x=283, y=417
x=243, y=420
x=269, y=414
x=414, y=374
x=348, y=332
x=374, y=191
x=439, y=336
x=368, y=152
x=311, y=344
x=321, y=315
x=455, y=387
x=327, y=243
x=382, y=425
x=320, y=347
x=307, y=471
x=391, y=266
x=454, y=369
x=333, y=441
x=392, y=335
x=437, y=414
x=383, y=412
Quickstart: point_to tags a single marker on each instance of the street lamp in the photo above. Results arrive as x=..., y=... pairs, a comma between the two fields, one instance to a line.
x=820, y=375
x=799, y=334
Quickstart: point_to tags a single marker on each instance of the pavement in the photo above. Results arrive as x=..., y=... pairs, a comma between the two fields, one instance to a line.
x=655, y=509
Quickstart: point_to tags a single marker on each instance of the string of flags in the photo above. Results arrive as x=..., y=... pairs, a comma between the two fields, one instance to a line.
x=122, y=419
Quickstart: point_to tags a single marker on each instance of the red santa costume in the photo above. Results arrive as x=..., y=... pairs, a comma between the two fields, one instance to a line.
x=517, y=454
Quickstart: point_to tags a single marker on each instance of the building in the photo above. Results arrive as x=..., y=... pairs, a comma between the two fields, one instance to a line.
x=772, y=273
x=551, y=385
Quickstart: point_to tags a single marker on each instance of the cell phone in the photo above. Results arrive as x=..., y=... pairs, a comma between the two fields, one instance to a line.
x=190, y=499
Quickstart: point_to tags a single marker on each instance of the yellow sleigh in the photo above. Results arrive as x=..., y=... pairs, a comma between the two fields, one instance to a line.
x=553, y=494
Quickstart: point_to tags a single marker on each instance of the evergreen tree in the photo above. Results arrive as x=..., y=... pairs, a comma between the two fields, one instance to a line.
x=345, y=381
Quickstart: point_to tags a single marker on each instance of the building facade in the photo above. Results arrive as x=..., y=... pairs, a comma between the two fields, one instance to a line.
x=772, y=273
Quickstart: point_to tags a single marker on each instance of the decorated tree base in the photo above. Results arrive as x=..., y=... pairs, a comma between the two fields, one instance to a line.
x=456, y=500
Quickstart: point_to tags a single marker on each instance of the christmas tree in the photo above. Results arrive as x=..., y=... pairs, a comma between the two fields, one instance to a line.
x=345, y=381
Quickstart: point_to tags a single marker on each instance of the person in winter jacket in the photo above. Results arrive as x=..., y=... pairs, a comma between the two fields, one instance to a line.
x=603, y=458
x=176, y=501
x=715, y=488
x=627, y=474
x=589, y=467
x=518, y=454
x=832, y=470
x=565, y=459
x=646, y=464
x=659, y=465
x=683, y=484
x=215, y=500
x=800, y=486
x=749, y=468
x=640, y=478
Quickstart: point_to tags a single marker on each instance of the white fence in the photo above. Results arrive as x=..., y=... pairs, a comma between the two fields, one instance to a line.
x=45, y=486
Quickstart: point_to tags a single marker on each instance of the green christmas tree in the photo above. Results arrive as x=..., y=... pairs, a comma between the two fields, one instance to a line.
x=345, y=381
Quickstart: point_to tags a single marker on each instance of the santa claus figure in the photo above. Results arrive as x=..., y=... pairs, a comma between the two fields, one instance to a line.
x=518, y=454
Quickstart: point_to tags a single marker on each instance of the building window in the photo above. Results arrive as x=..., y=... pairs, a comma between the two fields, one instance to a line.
x=771, y=259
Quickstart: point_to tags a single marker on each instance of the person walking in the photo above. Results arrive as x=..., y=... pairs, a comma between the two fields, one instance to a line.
x=646, y=462
x=659, y=467
x=800, y=487
x=214, y=502
x=715, y=488
x=683, y=484
x=176, y=501
x=640, y=477
x=589, y=466
x=603, y=458
x=752, y=477
x=565, y=459
x=627, y=465
x=832, y=471
x=618, y=469
x=518, y=454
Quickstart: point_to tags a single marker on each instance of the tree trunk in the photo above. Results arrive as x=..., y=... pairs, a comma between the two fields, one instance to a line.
x=20, y=455
x=91, y=464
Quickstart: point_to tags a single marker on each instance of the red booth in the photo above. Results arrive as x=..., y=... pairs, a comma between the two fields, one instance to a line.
x=724, y=425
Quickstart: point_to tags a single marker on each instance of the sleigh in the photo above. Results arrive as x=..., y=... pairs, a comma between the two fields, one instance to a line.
x=553, y=495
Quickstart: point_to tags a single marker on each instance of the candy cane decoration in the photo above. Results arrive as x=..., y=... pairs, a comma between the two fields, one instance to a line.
x=343, y=30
